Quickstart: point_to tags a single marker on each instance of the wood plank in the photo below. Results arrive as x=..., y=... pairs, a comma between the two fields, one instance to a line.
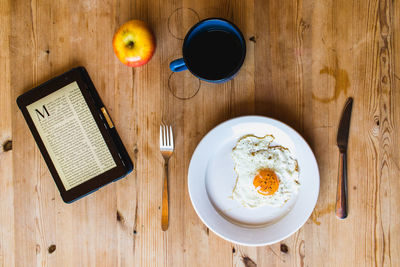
x=340, y=62
x=25, y=178
x=283, y=91
x=7, y=239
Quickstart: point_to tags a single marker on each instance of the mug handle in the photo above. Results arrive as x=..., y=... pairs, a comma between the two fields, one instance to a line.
x=178, y=65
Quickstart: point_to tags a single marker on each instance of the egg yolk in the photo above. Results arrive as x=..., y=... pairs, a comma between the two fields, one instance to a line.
x=266, y=182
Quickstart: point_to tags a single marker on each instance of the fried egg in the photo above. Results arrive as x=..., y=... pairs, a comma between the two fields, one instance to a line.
x=266, y=175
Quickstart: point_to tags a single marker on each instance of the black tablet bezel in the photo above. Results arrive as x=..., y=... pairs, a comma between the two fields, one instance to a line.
x=74, y=75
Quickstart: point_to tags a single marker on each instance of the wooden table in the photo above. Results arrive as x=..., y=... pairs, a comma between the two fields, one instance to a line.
x=304, y=58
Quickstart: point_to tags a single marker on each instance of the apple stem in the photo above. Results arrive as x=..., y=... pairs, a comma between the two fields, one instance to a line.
x=130, y=44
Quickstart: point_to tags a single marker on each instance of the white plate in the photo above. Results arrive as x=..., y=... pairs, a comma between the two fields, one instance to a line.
x=211, y=180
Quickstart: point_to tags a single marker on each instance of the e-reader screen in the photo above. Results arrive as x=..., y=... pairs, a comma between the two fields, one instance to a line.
x=71, y=136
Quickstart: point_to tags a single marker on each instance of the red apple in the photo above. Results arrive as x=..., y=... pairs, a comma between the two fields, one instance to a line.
x=134, y=43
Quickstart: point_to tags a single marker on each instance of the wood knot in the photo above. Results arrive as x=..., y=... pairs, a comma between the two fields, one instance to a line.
x=383, y=53
x=253, y=39
x=304, y=26
x=233, y=250
x=52, y=248
x=376, y=125
x=385, y=31
x=47, y=51
x=248, y=262
x=134, y=232
x=7, y=145
x=284, y=248
x=120, y=218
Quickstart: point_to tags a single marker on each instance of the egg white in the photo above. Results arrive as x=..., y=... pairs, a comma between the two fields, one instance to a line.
x=252, y=154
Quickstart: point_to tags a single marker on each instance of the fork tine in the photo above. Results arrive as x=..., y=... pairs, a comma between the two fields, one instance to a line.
x=171, y=136
x=161, y=136
x=164, y=137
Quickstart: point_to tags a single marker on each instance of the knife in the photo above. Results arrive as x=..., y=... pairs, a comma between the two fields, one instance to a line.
x=342, y=140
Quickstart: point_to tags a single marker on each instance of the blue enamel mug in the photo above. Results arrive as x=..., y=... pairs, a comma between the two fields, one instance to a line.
x=213, y=50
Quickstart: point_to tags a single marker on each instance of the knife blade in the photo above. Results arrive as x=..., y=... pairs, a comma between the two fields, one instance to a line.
x=342, y=141
x=344, y=126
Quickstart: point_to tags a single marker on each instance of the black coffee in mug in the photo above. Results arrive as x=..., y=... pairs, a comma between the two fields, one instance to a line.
x=213, y=54
x=213, y=50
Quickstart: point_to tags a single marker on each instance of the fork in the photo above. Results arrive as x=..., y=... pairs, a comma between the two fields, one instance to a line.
x=166, y=148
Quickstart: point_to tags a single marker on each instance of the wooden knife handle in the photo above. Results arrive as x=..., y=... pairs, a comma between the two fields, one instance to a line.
x=341, y=196
x=164, y=215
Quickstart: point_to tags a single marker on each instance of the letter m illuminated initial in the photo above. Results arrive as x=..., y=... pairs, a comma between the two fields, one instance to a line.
x=43, y=114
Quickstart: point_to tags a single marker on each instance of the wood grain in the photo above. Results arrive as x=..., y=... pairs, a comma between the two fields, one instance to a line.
x=7, y=238
x=304, y=58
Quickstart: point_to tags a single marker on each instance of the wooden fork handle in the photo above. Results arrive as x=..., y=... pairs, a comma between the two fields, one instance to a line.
x=164, y=214
x=341, y=196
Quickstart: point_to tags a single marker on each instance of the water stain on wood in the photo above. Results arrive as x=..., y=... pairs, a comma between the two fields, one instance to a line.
x=186, y=92
x=248, y=262
x=7, y=145
x=318, y=213
x=52, y=248
x=176, y=26
x=342, y=83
